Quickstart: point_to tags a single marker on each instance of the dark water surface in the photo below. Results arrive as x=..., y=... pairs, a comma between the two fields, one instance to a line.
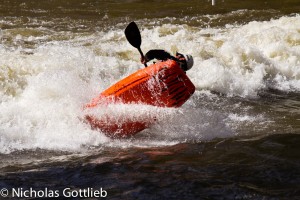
x=266, y=168
x=236, y=138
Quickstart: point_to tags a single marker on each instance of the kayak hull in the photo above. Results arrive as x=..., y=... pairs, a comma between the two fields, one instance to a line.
x=163, y=84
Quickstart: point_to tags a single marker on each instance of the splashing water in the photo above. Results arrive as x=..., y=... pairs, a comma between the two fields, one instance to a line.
x=43, y=91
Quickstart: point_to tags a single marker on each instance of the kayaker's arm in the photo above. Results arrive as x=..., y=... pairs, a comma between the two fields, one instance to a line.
x=157, y=54
x=184, y=61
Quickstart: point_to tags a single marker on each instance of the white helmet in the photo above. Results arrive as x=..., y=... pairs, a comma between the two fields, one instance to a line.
x=189, y=61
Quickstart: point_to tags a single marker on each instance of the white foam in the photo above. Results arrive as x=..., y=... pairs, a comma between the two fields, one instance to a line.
x=42, y=94
x=243, y=60
x=46, y=112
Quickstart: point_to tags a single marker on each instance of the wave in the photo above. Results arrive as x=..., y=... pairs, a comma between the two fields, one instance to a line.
x=43, y=88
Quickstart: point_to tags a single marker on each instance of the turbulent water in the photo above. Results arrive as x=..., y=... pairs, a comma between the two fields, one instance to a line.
x=236, y=138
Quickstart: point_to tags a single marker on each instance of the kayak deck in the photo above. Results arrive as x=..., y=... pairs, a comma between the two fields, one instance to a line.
x=163, y=84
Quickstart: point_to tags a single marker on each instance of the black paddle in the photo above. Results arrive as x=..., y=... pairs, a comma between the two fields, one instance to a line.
x=133, y=36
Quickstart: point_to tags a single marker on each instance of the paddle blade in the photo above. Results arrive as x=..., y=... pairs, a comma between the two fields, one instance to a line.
x=133, y=35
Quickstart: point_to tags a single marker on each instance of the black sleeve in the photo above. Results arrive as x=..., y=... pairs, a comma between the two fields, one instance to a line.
x=157, y=54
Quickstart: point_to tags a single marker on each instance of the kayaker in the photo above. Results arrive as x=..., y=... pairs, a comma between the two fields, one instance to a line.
x=185, y=62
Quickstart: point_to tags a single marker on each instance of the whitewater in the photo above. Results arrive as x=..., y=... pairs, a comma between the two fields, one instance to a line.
x=43, y=89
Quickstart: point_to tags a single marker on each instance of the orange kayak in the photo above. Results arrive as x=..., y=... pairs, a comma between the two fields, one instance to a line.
x=163, y=84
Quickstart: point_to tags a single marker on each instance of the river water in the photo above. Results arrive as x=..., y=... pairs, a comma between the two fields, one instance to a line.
x=236, y=138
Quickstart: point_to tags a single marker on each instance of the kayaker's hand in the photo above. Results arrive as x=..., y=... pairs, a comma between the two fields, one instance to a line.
x=143, y=61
